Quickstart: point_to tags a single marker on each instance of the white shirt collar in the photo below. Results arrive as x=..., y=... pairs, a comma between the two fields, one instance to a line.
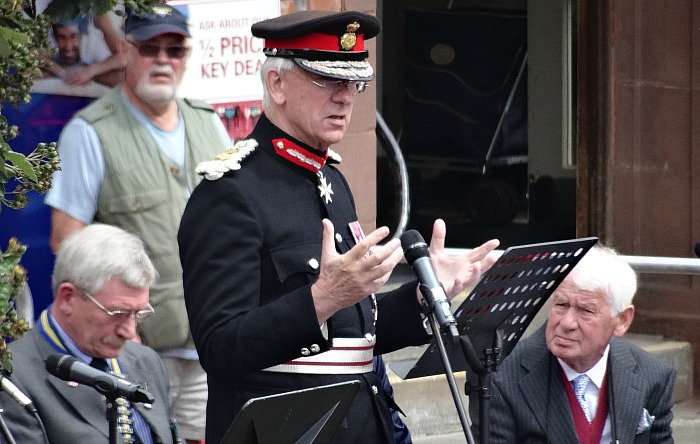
x=596, y=373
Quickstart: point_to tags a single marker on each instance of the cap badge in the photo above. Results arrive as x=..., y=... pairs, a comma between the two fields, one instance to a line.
x=349, y=39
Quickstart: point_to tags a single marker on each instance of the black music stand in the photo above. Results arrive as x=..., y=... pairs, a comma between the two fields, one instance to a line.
x=308, y=416
x=494, y=316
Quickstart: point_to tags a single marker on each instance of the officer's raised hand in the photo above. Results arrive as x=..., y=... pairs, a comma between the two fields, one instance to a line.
x=459, y=272
x=345, y=279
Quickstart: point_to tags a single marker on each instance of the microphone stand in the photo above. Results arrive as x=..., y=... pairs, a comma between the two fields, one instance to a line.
x=5, y=432
x=112, y=416
x=484, y=368
x=448, y=371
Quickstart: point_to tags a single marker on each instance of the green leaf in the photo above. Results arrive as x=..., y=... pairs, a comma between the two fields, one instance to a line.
x=12, y=34
x=7, y=264
x=22, y=163
x=8, y=34
x=5, y=285
x=4, y=176
x=4, y=45
x=6, y=360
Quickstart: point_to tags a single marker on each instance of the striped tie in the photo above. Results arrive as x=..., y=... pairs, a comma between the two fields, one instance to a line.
x=125, y=419
x=580, y=383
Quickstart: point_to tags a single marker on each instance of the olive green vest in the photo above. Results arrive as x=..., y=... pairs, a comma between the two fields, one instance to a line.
x=143, y=192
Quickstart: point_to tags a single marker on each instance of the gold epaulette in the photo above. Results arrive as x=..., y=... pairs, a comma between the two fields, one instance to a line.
x=229, y=160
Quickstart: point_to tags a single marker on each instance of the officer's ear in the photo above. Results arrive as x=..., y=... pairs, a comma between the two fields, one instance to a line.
x=277, y=84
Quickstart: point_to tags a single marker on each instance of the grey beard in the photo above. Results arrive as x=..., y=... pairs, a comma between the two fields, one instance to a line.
x=157, y=95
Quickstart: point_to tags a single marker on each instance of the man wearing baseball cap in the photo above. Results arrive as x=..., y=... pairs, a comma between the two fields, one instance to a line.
x=279, y=279
x=128, y=160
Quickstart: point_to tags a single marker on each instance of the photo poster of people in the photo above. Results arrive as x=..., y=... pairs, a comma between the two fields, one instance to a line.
x=223, y=69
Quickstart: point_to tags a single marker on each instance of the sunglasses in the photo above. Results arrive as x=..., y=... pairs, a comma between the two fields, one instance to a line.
x=151, y=51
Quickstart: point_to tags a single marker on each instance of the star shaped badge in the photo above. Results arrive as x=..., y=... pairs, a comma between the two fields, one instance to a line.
x=325, y=188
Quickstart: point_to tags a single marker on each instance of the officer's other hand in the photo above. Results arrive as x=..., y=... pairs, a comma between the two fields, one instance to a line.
x=456, y=273
x=345, y=279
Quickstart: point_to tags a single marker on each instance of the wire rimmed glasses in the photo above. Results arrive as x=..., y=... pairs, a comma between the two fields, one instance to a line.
x=123, y=314
x=333, y=85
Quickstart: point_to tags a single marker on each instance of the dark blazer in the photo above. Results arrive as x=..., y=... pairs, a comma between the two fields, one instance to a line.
x=75, y=413
x=250, y=245
x=529, y=404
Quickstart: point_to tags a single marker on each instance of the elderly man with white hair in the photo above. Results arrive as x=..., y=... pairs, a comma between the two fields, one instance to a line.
x=575, y=380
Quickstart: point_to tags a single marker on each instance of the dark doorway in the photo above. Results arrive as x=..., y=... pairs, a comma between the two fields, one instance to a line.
x=456, y=89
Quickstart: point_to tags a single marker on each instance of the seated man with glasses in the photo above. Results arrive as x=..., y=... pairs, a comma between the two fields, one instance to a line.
x=101, y=283
x=128, y=160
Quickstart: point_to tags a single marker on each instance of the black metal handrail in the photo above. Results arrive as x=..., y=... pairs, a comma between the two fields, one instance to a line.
x=398, y=165
x=640, y=264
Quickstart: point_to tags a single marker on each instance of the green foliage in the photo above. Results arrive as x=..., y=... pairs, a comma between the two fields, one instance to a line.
x=28, y=173
x=12, y=280
x=22, y=40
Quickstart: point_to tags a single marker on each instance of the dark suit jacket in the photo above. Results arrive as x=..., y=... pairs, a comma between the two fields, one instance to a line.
x=77, y=413
x=529, y=404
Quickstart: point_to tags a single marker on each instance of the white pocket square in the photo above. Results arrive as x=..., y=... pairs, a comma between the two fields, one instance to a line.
x=645, y=422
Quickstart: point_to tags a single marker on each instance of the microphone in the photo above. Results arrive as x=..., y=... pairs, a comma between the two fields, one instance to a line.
x=416, y=251
x=8, y=387
x=68, y=368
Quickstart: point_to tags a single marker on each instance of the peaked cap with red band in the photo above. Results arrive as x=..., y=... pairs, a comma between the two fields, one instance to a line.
x=328, y=44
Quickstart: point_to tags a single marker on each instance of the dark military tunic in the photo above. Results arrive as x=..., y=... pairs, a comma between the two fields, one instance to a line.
x=250, y=245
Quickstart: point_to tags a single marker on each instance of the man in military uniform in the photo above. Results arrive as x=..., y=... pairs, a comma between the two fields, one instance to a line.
x=279, y=279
